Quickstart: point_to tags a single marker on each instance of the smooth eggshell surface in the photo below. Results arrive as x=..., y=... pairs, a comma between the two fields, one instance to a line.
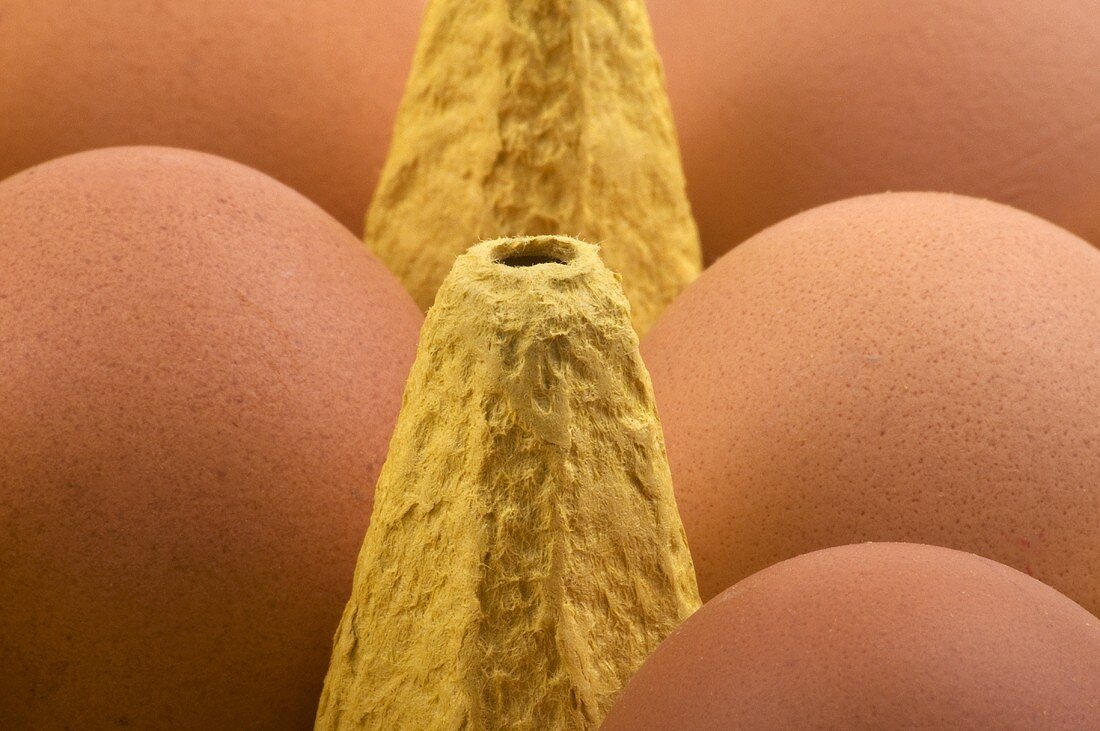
x=305, y=91
x=902, y=367
x=788, y=104
x=199, y=372
x=874, y=636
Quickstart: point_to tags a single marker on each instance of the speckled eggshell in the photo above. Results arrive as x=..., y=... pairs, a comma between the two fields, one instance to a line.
x=874, y=636
x=787, y=105
x=305, y=91
x=903, y=367
x=199, y=372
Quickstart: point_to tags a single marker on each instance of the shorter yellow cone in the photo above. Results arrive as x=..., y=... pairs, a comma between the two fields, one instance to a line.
x=525, y=553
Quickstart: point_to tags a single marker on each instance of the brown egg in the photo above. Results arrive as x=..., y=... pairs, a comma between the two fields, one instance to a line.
x=875, y=636
x=785, y=105
x=902, y=367
x=304, y=91
x=199, y=372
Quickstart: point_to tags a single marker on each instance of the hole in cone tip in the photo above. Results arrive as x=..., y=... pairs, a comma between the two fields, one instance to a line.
x=529, y=260
x=534, y=252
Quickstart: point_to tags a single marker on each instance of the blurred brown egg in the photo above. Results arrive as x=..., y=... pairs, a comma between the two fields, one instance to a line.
x=875, y=636
x=786, y=105
x=199, y=372
x=304, y=91
x=903, y=367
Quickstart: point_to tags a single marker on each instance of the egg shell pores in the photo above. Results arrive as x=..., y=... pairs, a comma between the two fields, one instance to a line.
x=786, y=105
x=902, y=367
x=200, y=371
x=874, y=636
x=305, y=91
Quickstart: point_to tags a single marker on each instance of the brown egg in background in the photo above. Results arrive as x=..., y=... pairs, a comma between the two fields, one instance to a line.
x=874, y=636
x=199, y=372
x=304, y=91
x=914, y=367
x=786, y=105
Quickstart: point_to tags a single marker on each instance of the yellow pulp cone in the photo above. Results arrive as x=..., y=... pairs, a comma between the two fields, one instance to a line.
x=526, y=117
x=525, y=553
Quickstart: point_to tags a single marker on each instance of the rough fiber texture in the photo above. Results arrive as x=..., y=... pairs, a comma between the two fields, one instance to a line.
x=199, y=374
x=527, y=117
x=304, y=90
x=904, y=367
x=872, y=637
x=787, y=104
x=525, y=553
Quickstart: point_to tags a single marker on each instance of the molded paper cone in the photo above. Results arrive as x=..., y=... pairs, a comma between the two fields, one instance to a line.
x=525, y=553
x=525, y=117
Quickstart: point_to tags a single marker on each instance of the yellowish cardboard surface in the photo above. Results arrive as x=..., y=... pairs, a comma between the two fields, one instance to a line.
x=526, y=117
x=525, y=553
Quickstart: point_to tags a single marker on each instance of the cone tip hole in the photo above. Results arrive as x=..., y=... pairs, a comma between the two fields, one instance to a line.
x=534, y=252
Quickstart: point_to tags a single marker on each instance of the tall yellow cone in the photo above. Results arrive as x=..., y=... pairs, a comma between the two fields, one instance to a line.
x=525, y=553
x=526, y=117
